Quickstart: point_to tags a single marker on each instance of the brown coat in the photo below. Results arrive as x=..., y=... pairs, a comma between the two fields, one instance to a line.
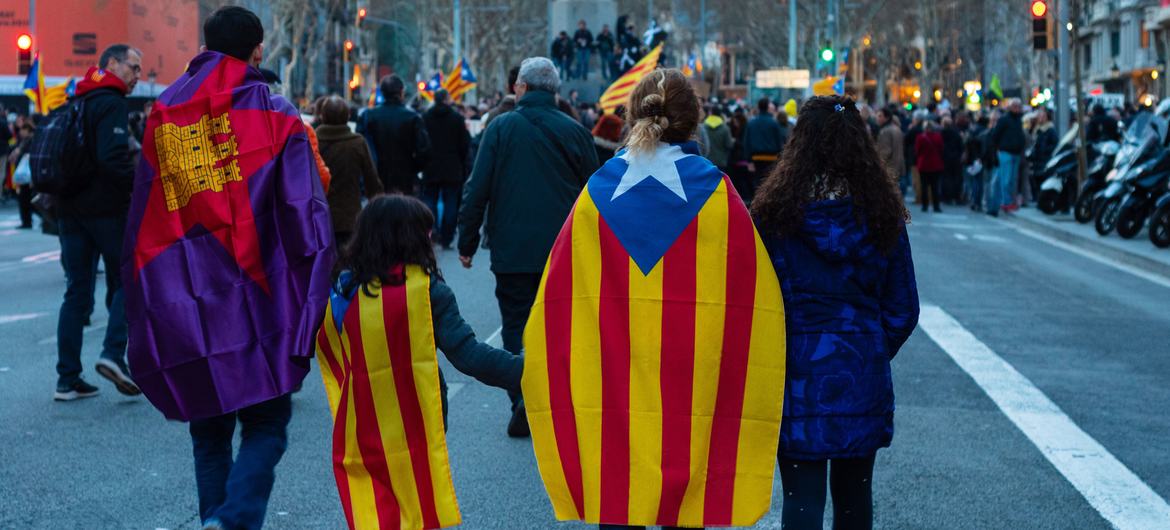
x=889, y=146
x=348, y=158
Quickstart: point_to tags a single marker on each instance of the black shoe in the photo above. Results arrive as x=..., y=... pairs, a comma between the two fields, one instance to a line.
x=117, y=373
x=993, y=214
x=24, y=227
x=937, y=209
x=518, y=425
x=78, y=390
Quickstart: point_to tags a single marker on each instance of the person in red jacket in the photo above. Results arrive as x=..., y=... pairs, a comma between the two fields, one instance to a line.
x=929, y=147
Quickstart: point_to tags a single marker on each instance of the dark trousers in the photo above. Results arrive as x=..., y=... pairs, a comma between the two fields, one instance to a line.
x=235, y=493
x=515, y=292
x=931, y=189
x=83, y=241
x=849, y=479
x=24, y=197
x=446, y=216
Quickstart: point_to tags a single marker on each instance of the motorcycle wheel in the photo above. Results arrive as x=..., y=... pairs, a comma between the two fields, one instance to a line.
x=1084, y=208
x=1160, y=227
x=1049, y=201
x=1107, y=216
x=1129, y=222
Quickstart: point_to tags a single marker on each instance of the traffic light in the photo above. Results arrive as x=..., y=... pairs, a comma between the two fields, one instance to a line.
x=348, y=47
x=24, y=44
x=361, y=16
x=827, y=54
x=1041, y=26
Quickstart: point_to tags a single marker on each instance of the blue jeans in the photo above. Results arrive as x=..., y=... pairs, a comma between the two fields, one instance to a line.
x=975, y=187
x=83, y=241
x=443, y=200
x=235, y=494
x=1002, y=189
x=607, y=65
x=582, y=63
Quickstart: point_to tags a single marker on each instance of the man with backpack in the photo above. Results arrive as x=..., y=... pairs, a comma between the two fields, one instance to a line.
x=94, y=198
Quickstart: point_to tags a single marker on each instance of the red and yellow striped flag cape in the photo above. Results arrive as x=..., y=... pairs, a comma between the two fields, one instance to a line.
x=619, y=91
x=654, y=398
x=382, y=378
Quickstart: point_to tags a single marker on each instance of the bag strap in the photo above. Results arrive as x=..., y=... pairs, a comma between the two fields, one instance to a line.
x=552, y=138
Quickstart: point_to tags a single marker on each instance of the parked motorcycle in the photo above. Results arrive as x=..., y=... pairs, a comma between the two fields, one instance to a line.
x=1060, y=173
x=1141, y=159
x=1144, y=189
x=1100, y=165
x=1160, y=222
x=1134, y=149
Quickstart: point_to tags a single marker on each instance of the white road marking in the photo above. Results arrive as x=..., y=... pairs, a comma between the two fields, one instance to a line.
x=8, y=319
x=1119, y=495
x=961, y=237
x=1145, y=275
x=491, y=340
x=43, y=257
x=97, y=326
x=454, y=388
x=989, y=239
x=10, y=222
x=9, y=232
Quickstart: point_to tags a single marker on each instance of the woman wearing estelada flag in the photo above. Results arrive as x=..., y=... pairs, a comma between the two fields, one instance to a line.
x=655, y=348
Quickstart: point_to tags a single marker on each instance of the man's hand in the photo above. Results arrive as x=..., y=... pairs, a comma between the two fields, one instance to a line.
x=466, y=261
x=751, y=167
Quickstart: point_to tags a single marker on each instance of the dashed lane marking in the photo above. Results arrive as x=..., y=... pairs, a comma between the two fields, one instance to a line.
x=491, y=340
x=989, y=239
x=1148, y=276
x=1118, y=494
x=8, y=319
x=961, y=237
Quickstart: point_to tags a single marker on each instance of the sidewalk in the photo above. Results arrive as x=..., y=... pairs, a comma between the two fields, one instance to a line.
x=1137, y=252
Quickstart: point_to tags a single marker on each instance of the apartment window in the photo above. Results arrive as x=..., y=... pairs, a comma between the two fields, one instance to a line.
x=1115, y=43
x=1087, y=57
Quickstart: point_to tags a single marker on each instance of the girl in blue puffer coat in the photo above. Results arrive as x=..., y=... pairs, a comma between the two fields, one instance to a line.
x=834, y=224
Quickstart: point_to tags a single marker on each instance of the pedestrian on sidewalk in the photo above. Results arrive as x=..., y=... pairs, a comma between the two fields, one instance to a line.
x=531, y=165
x=763, y=139
x=93, y=222
x=951, y=181
x=719, y=139
x=390, y=277
x=447, y=168
x=398, y=136
x=833, y=221
x=347, y=158
x=1044, y=140
x=667, y=294
x=583, y=43
x=974, y=164
x=18, y=159
x=1007, y=140
x=607, y=136
x=889, y=142
x=605, y=50
x=928, y=149
x=227, y=285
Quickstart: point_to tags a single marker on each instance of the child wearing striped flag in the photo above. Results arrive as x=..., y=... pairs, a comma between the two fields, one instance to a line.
x=388, y=310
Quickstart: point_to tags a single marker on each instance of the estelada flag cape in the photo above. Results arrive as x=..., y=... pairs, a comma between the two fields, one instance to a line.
x=654, y=371
x=377, y=357
x=228, y=246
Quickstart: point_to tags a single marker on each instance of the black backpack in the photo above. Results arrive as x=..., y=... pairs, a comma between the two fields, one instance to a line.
x=58, y=155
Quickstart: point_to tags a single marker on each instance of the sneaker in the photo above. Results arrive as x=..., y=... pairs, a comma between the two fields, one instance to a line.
x=117, y=373
x=518, y=425
x=78, y=390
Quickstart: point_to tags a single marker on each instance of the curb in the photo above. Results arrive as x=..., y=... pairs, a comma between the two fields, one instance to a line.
x=1093, y=244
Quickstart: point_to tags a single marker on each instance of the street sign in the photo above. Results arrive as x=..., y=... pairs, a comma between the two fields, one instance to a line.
x=782, y=78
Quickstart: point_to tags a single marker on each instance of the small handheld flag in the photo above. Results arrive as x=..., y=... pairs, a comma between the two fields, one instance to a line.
x=460, y=81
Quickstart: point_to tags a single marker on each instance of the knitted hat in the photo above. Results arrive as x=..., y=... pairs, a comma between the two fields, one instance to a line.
x=609, y=127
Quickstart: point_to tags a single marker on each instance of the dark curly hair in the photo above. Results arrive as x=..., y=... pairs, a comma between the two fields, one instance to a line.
x=392, y=231
x=831, y=148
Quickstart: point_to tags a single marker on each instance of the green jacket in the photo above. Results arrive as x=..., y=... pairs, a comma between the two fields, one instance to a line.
x=527, y=180
x=719, y=141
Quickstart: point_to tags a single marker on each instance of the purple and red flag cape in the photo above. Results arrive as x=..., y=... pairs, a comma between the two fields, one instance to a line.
x=228, y=247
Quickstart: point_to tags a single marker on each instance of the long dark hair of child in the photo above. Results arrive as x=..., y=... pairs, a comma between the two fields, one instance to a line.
x=831, y=147
x=392, y=231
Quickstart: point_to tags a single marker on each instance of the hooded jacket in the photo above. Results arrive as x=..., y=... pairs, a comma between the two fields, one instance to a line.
x=719, y=141
x=348, y=159
x=848, y=310
x=450, y=145
x=106, y=120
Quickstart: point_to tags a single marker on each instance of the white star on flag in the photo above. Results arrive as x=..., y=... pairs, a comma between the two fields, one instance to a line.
x=659, y=165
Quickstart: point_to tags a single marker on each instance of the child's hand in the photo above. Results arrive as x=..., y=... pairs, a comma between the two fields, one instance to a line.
x=466, y=261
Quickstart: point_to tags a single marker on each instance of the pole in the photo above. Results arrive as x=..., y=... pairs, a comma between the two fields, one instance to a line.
x=32, y=25
x=458, y=36
x=792, y=34
x=1062, y=58
x=1082, y=159
x=702, y=26
x=649, y=12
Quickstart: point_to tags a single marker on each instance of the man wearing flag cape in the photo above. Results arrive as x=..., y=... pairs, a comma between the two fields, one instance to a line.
x=655, y=350
x=226, y=265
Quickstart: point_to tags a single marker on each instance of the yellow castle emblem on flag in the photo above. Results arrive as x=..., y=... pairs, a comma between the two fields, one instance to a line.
x=196, y=158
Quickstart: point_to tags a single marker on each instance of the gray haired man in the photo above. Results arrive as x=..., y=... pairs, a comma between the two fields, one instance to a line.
x=532, y=164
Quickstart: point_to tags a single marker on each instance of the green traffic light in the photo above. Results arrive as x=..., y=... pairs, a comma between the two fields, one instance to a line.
x=827, y=54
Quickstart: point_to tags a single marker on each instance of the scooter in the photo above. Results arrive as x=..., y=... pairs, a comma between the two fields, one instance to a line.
x=1059, y=174
x=1160, y=222
x=1102, y=163
x=1145, y=133
x=1144, y=191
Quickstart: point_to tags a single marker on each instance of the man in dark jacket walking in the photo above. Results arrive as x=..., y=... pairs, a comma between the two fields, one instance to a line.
x=398, y=137
x=1008, y=140
x=445, y=172
x=93, y=222
x=762, y=142
x=531, y=165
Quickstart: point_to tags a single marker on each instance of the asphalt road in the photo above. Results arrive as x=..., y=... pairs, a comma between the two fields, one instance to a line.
x=1091, y=338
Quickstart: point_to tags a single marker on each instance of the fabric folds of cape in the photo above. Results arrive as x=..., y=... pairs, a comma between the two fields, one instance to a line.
x=654, y=387
x=382, y=378
x=228, y=245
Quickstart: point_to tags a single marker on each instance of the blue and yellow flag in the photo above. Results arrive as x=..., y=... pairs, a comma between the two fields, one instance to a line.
x=45, y=98
x=428, y=89
x=460, y=80
x=654, y=372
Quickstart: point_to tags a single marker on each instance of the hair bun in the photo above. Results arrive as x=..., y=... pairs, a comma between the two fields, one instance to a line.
x=653, y=105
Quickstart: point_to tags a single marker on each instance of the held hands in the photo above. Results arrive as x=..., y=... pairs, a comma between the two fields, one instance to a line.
x=466, y=261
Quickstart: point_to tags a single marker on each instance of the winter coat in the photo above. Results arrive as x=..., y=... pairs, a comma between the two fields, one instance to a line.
x=450, y=143
x=530, y=177
x=763, y=138
x=719, y=141
x=1008, y=134
x=889, y=145
x=1044, y=144
x=583, y=39
x=928, y=148
x=106, y=123
x=848, y=310
x=348, y=158
x=400, y=144
x=952, y=152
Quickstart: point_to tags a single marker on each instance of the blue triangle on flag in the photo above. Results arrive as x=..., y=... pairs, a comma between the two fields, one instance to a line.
x=839, y=87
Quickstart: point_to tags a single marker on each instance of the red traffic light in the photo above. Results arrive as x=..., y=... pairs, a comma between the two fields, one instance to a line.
x=422, y=86
x=348, y=45
x=24, y=42
x=1039, y=8
x=361, y=13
